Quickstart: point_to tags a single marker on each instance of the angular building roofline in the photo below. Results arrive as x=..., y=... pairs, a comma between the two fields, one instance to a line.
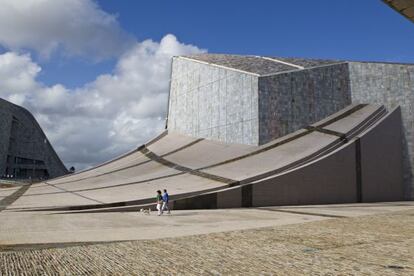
x=216, y=65
x=257, y=65
x=266, y=66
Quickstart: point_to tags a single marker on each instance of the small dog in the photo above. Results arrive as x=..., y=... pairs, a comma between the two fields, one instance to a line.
x=145, y=211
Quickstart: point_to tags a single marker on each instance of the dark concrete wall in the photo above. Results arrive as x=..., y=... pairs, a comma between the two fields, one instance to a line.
x=5, y=126
x=381, y=161
x=329, y=180
x=391, y=85
x=21, y=136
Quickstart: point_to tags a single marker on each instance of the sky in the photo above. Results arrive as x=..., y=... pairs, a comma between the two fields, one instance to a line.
x=95, y=73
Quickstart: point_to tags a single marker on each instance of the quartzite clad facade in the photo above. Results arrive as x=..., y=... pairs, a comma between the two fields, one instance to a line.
x=25, y=151
x=253, y=100
x=213, y=102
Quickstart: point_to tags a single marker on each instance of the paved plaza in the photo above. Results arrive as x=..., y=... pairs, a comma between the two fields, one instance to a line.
x=349, y=239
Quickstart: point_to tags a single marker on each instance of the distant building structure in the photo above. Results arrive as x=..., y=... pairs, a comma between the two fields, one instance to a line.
x=25, y=151
x=253, y=100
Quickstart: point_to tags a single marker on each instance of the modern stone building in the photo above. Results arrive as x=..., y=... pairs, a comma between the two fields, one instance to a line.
x=248, y=131
x=253, y=100
x=25, y=151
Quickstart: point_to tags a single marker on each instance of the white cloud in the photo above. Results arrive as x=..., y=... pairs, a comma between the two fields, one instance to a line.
x=106, y=117
x=18, y=74
x=76, y=27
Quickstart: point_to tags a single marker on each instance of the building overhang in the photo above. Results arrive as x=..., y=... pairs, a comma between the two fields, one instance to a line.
x=404, y=7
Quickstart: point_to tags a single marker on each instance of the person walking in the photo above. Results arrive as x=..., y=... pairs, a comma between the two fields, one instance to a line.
x=165, y=199
x=159, y=202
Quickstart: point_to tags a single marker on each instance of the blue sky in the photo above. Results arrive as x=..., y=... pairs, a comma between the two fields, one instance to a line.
x=95, y=74
x=347, y=29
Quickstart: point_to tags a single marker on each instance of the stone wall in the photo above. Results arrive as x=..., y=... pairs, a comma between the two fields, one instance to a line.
x=212, y=102
x=391, y=85
x=290, y=101
x=237, y=107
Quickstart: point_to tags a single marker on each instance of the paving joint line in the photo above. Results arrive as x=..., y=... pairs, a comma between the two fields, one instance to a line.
x=85, y=197
x=173, y=165
x=117, y=185
x=135, y=165
x=8, y=200
x=300, y=212
x=341, y=135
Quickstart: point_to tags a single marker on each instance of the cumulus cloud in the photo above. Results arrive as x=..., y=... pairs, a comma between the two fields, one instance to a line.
x=76, y=27
x=103, y=118
x=100, y=119
x=18, y=74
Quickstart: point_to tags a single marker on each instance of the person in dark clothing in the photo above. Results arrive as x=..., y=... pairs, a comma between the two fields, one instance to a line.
x=165, y=199
x=159, y=202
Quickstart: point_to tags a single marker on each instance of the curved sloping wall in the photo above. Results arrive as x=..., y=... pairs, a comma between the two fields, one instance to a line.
x=368, y=168
x=332, y=161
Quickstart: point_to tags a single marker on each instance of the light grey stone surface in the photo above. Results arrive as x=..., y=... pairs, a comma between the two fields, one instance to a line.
x=22, y=137
x=212, y=102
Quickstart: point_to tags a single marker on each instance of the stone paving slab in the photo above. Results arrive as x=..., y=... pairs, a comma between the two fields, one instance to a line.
x=7, y=192
x=42, y=228
x=347, y=210
x=63, y=199
x=47, y=227
x=381, y=244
